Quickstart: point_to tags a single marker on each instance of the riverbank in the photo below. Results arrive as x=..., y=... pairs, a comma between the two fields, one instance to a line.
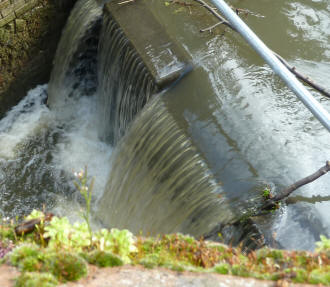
x=132, y=276
x=58, y=252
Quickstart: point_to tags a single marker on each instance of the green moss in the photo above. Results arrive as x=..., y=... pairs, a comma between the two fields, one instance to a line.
x=34, y=279
x=65, y=266
x=298, y=275
x=320, y=276
x=239, y=270
x=176, y=252
x=175, y=266
x=150, y=261
x=276, y=255
x=30, y=264
x=6, y=233
x=23, y=252
x=223, y=268
x=104, y=259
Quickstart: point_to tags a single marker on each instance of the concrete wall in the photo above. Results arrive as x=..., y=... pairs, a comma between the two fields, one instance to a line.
x=13, y=9
x=29, y=33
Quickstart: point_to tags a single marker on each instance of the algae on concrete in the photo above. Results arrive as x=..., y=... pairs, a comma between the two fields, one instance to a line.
x=27, y=47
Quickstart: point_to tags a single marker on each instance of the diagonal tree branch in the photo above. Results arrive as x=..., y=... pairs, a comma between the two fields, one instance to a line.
x=288, y=190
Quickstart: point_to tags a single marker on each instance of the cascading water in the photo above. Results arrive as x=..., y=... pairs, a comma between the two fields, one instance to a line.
x=122, y=75
x=42, y=148
x=159, y=182
x=75, y=61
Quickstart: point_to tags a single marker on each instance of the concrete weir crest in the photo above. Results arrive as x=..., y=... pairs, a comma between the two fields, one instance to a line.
x=136, y=59
x=164, y=59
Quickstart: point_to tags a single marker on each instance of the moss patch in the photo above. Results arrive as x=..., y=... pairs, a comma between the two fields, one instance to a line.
x=65, y=260
x=34, y=279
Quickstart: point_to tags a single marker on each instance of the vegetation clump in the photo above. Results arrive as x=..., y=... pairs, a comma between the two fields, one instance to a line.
x=35, y=279
x=61, y=251
x=103, y=258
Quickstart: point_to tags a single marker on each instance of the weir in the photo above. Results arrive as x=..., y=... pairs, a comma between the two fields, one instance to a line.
x=172, y=148
x=159, y=183
x=136, y=60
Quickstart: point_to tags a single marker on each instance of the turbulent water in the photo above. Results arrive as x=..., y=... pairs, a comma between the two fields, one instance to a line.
x=197, y=154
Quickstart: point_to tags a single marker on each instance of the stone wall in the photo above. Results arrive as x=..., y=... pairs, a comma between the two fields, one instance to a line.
x=13, y=9
x=29, y=33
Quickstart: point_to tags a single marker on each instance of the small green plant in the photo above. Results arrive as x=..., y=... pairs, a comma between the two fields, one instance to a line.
x=64, y=235
x=266, y=193
x=324, y=244
x=23, y=252
x=35, y=279
x=103, y=259
x=65, y=266
x=120, y=242
x=85, y=190
x=223, y=268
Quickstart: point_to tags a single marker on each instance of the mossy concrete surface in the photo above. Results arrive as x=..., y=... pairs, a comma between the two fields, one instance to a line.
x=165, y=60
x=27, y=47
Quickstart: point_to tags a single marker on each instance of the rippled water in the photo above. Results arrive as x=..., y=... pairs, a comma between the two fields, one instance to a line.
x=248, y=125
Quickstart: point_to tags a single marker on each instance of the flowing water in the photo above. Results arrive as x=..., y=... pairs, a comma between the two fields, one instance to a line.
x=197, y=154
x=123, y=75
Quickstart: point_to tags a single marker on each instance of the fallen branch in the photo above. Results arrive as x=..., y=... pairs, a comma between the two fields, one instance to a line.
x=215, y=13
x=209, y=29
x=302, y=77
x=314, y=199
x=271, y=202
x=292, y=69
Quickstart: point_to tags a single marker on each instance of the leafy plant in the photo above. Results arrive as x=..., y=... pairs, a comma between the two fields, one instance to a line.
x=324, y=244
x=63, y=234
x=266, y=193
x=120, y=242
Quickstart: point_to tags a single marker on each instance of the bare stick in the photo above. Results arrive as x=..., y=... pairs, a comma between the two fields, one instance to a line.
x=292, y=69
x=314, y=199
x=302, y=77
x=126, y=2
x=209, y=29
x=215, y=13
x=288, y=190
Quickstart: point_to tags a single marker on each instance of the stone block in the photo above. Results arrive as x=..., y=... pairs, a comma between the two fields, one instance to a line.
x=4, y=4
x=10, y=17
x=26, y=8
x=18, y=4
x=6, y=11
x=20, y=25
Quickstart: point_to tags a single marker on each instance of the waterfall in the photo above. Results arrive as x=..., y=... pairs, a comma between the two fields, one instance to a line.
x=159, y=182
x=125, y=84
x=75, y=55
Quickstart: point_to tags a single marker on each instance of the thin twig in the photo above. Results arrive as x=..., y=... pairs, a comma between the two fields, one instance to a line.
x=292, y=69
x=288, y=190
x=302, y=77
x=314, y=199
x=126, y=2
x=209, y=29
x=215, y=13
